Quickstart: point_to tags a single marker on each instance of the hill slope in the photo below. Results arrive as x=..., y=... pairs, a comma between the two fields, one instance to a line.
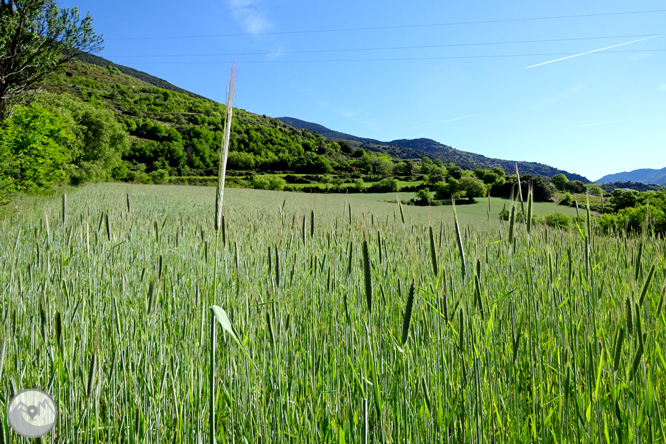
x=418, y=148
x=644, y=175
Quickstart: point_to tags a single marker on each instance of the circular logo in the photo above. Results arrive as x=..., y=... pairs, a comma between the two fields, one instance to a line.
x=32, y=413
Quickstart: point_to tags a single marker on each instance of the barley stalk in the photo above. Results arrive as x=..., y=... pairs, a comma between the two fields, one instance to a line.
x=224, y=151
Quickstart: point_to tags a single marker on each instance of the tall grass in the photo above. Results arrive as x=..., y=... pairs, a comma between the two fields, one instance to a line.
x=534, y=345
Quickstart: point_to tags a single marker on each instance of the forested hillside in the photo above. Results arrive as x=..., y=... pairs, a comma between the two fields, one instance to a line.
x=108, y=122
x=418, y=148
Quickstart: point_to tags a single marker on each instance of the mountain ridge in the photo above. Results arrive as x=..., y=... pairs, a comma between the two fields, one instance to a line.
x=418, y=148
x=643, y=175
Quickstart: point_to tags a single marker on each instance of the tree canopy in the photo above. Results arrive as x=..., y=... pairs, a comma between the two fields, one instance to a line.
x=37, y=38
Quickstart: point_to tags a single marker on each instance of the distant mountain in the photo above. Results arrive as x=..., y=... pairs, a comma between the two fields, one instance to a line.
x=418, y=148
x=644, y=175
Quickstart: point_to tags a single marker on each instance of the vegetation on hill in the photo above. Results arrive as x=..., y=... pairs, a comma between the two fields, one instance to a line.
x=418, y=148
x=122, y=128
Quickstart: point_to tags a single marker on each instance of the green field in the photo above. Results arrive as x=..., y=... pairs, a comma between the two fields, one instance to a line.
x=509, y=336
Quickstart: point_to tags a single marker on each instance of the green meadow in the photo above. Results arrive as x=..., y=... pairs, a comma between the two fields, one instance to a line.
x=358, y=320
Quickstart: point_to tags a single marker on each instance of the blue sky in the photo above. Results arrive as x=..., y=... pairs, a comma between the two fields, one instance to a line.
x=455, y=72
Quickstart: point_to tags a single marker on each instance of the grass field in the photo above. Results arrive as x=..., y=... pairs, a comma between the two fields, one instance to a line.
x=362, y=321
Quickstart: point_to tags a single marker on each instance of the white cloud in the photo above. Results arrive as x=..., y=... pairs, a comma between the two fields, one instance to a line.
x=248, y=13
x=662, y=86
x=348, y=112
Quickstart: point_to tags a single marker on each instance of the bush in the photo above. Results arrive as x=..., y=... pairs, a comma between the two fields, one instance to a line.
x=139, y=177
x=558, y=220
x=575, y=186
x=384, y=186
x=423, y=198
x=268, y=183
x=160, y=176
x=567, y=199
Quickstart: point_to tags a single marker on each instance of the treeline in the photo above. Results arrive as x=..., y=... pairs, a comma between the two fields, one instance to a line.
x=635, y=212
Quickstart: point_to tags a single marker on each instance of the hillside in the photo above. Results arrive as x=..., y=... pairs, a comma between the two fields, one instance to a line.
x=418, y=148
x=643, y=175
x=174, y=135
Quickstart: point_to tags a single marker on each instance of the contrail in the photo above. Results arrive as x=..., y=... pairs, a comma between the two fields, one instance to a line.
x=596, y=50
x=444, y=121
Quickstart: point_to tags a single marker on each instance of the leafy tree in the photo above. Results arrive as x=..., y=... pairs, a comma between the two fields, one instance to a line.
x=595, y=191
x=159, y=176
x=33, y=151
x=444, y=190
x=423, y=198
x=575, y=186
x=359, y=185
x=37, y=38
x=98, y=140
x=455, y=171
x=472, y=186
x=621, y=199
x=560, y=180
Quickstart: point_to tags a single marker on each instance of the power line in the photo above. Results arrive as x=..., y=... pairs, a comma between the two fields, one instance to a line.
x=314, y=51
x=378, y=28
x=399, y=58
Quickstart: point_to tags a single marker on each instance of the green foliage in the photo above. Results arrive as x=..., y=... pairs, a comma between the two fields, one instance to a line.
x=567, y=199
x=423, y=198
x=621, y=199
x=159, y=176
x=560, y=181
x=518, y=331
x=268, y=183
x=98, y=141
x=37, y=38
x=636, y=212
x=444, y=190
x=472, y=187
x=384, y=186
x=558, y=220
x=575, y=186
x=33, y=151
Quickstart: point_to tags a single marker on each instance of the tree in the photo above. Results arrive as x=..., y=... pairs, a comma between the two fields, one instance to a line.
x=99, y=140
x=559, y=180
x=37, y=39
x=575, y=186
x=33, y=151
x=472, y=186
x=423, y=198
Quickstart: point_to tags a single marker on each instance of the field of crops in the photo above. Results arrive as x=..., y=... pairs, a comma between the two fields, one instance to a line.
x=357, y=321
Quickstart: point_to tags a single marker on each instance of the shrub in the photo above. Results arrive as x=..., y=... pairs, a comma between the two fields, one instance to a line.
x=567, y=199
x=558, y=220
x=384, y=186
x=160, y=176
x=575, y=186
x=423, y=198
